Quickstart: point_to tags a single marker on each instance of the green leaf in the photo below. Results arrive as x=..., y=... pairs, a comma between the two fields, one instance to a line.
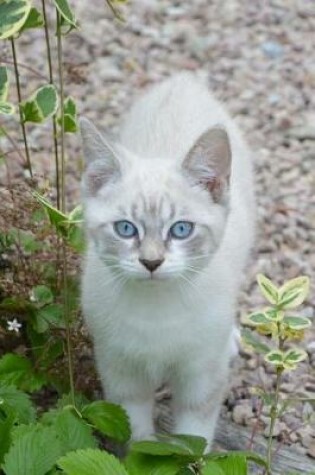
x=42, y=104
x=258, y=318
x=173, y=446
x=14, y=368
x=110, y=419
x=233, y=464
x=17, y=370
x=19, y=403
x=275, y=357
x=66, y=400
x=75, y=238
x=297, y=323
x=70, y=116
x=33, y=453
x=138, y=464
x=34, y=20
x=294, y=356
x=294, y=292
x=91, y=461
x=249, y=339
x=212, y=468
x=6, y=108
x=50, y=315
x=73, y=433
x=13, y=14
x=76, y=215
x=66, y=13
x=268, y=289
x=42, y=295
x=196, y=444
x=249, y=456
x=274, y=315
x=56, y=217
x=4, y=83
x=7, y=419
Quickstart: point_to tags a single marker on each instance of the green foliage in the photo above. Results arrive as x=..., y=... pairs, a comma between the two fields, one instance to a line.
x=172, y=445
x=35, y=452
x=7, y=419
x=6, y=108
x=73, y=432
x=69, y=116
x=13, y=14
x=41, y=105
x=34, y=20
x=67, y=226
x=16, y=402
x=66, y=13
x=18, y=370
x=273, y=321
x=88, y=461
x=110, y=419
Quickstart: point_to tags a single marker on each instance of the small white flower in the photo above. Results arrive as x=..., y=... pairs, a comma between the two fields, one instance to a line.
x=32, y=297
x=14, y=325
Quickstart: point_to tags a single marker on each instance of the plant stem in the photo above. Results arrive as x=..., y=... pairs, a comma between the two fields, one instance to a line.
x=18, y=88
x=115, y=11
x=62, y=133
x=63, y=209
x=273, y=418
x=274, y=406
x=54, y=119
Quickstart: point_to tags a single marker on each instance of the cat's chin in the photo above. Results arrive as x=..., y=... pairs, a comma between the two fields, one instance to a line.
x=153, y=278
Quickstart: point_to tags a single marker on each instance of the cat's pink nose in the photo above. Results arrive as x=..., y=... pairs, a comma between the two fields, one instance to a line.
x=151, y=265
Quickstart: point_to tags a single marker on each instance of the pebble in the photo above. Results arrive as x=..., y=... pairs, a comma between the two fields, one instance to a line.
x=311, y=450
x=242, y=414
x=306, y=132
x=272, y=49
x=278, y=428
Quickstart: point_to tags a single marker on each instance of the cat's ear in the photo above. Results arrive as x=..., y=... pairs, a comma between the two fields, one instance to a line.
x=209, y=161
x=102, y=164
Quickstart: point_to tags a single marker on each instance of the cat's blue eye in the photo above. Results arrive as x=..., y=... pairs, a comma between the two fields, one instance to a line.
x=125, y=229
x=181, y=229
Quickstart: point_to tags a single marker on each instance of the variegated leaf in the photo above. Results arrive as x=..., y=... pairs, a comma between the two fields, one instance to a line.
x=13, y=14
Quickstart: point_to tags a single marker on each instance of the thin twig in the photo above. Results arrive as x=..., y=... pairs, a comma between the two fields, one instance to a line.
x=13, y=143
x=18, y=88
x=274, y=407
x=62, y=133
x=115, y=12
x=63, y=208
x=54, y=119
x=256, y=425
x=25, y=66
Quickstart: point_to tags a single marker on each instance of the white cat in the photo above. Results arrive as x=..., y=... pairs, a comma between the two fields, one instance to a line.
x=169, y=213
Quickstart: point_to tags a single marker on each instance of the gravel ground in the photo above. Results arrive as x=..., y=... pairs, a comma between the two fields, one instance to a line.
x=259, y=58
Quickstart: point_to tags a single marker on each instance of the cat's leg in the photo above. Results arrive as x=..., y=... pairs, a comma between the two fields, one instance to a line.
x=198, y=391
x=125, y=387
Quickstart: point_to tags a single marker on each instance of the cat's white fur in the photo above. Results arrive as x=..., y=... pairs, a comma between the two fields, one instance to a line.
x=148, y=331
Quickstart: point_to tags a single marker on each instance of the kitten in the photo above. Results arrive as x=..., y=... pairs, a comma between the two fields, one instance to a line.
x=169, y=213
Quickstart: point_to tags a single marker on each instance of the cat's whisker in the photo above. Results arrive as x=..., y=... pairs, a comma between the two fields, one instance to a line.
x=191, y=283
x=198, y=257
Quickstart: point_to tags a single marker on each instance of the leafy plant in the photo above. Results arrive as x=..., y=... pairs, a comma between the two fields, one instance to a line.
x=283, y=328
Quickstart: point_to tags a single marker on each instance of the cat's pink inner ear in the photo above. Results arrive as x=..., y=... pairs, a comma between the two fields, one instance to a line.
x=209, y=161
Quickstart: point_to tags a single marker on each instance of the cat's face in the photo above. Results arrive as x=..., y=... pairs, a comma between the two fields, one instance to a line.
x=151, y=219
